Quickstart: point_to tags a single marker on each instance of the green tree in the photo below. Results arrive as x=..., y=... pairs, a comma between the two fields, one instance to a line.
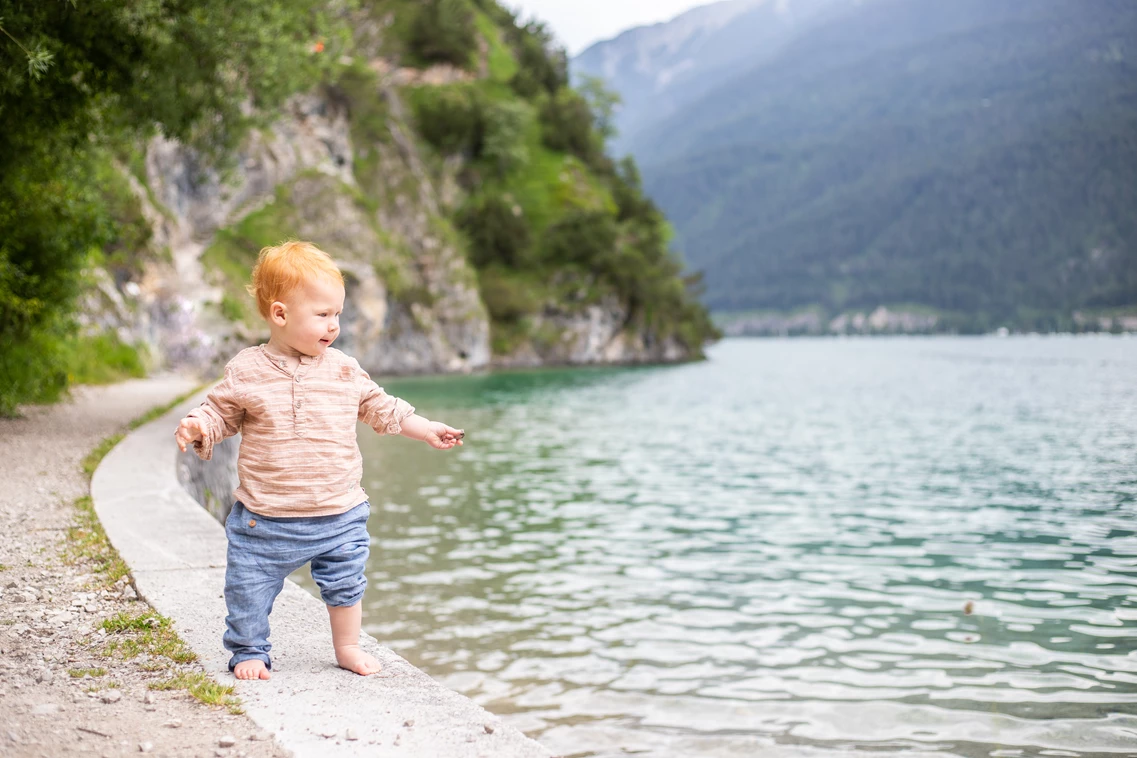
x=603, y=103
x=74, y=74
x=443, y=32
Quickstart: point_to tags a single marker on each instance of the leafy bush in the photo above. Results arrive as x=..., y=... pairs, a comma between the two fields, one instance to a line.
x=567, y=125
x=505, y=124
x=443, y=32
x=450, y=118
x=542, y=64
x=497, y=234
x=509, y=296
x=102, y=359
x=583, y=238
x=113, y=69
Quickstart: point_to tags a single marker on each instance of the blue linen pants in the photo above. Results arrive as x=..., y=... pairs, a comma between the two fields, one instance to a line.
x=262, y=553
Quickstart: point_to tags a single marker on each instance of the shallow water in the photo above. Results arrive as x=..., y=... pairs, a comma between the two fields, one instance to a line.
x=776, y=551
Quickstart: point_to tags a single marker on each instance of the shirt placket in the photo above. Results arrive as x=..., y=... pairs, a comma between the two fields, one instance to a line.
x=299, y=415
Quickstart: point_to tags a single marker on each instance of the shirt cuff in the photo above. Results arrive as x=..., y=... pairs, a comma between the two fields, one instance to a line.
x=204, y=446
x=204, y=449
x=401, y=410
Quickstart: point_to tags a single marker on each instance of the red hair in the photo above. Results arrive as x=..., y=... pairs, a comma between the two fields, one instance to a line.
x=282, y=268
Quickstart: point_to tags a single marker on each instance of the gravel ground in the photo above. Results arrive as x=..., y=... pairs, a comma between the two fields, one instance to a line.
x=86, y=668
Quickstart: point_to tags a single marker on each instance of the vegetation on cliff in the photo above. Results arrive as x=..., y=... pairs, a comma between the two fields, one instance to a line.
x=546, y=217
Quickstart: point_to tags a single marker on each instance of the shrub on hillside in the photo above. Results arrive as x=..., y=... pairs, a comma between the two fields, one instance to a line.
x=450, y=118
x=443, y=32
x=584, y=238
x=542, y=64
x=496, y=232
x=566, y=125
x=505, y=124
x=509, y=296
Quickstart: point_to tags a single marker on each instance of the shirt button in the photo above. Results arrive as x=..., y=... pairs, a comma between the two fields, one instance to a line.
x=252, y=522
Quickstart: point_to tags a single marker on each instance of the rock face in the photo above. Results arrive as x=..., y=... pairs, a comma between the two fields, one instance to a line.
x=441, y=327
x=413, y=304
x=596, y=334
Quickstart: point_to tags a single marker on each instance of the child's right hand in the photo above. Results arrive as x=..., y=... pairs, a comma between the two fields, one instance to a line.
x=189, y=431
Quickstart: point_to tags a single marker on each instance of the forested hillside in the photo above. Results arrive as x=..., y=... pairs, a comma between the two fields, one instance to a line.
x=434, y=148
x=975, y=157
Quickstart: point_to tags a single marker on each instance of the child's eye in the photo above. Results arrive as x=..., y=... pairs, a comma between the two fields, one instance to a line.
x=322, y=315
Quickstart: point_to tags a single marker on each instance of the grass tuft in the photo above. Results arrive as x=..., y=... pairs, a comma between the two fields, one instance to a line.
x=88, y=543
x=202, y=688
x=148, y=632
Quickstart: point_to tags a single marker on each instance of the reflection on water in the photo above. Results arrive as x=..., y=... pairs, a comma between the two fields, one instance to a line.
x=777, y=551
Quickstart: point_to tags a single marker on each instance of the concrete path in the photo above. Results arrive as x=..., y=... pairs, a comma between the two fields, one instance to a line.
x=176, y=552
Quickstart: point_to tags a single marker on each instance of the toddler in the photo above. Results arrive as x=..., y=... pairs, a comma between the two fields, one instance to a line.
x=296, y=401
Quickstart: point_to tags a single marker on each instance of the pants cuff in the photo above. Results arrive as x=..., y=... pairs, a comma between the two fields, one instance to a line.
x=242, y=657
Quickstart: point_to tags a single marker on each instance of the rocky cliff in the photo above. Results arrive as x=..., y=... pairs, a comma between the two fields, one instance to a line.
x=413, y=302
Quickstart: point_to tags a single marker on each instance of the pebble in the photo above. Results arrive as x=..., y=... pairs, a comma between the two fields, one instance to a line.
x=111, y=696
x=148, y=698
x=173, y=724
x=409, y=722
x=489, y=728
x=350, y=734
x=260, y=736
x=145, y=747
x=328, y=733
x=43, y=676
x=128, y=593
x=45, y=709
x=91, y=608
x=227, y=741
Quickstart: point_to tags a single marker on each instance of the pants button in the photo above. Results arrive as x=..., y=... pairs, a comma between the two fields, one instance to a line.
x=252, y=522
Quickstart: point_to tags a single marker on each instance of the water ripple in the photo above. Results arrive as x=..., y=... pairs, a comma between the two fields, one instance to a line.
x=796, y=548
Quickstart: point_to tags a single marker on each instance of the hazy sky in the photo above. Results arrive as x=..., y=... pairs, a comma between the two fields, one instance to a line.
x=579, y=23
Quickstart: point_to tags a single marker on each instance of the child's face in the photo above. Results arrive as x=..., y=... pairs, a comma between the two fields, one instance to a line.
x=310, y=319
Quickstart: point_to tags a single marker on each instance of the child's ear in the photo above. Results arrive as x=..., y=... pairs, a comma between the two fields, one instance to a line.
x=277, y=313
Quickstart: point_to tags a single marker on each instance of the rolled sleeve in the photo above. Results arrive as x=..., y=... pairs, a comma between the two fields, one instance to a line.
x=382, y=412
x=221, y=415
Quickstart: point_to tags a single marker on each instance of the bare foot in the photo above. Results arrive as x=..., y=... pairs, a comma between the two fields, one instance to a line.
x=350, y=657
x=252, y=669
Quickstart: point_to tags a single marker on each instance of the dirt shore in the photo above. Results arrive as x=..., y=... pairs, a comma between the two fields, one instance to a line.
x=86, y=668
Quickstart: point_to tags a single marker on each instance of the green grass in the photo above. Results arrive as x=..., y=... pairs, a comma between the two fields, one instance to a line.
x=103, y=359
x=369, y=120
x=87, y=543
x=502, y=63
x=552, y=184
x=202, y=688
x=93, y=458
x=162, y=410
x=86, y=539
x=148, y=633
x=80, y=673
x=235, y=248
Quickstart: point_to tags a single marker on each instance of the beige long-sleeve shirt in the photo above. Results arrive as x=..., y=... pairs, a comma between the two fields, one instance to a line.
x=299, y=454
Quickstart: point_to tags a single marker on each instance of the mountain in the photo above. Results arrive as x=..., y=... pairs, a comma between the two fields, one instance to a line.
x=658, y=69
x=977, y=157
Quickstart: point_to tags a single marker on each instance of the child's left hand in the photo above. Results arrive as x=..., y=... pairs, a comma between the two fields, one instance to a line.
x=443, y=437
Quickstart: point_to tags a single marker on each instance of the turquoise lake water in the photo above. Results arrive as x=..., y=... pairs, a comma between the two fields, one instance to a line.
x=797, y=547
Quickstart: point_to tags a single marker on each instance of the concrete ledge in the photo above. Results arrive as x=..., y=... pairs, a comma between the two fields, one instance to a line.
x=176, y=552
